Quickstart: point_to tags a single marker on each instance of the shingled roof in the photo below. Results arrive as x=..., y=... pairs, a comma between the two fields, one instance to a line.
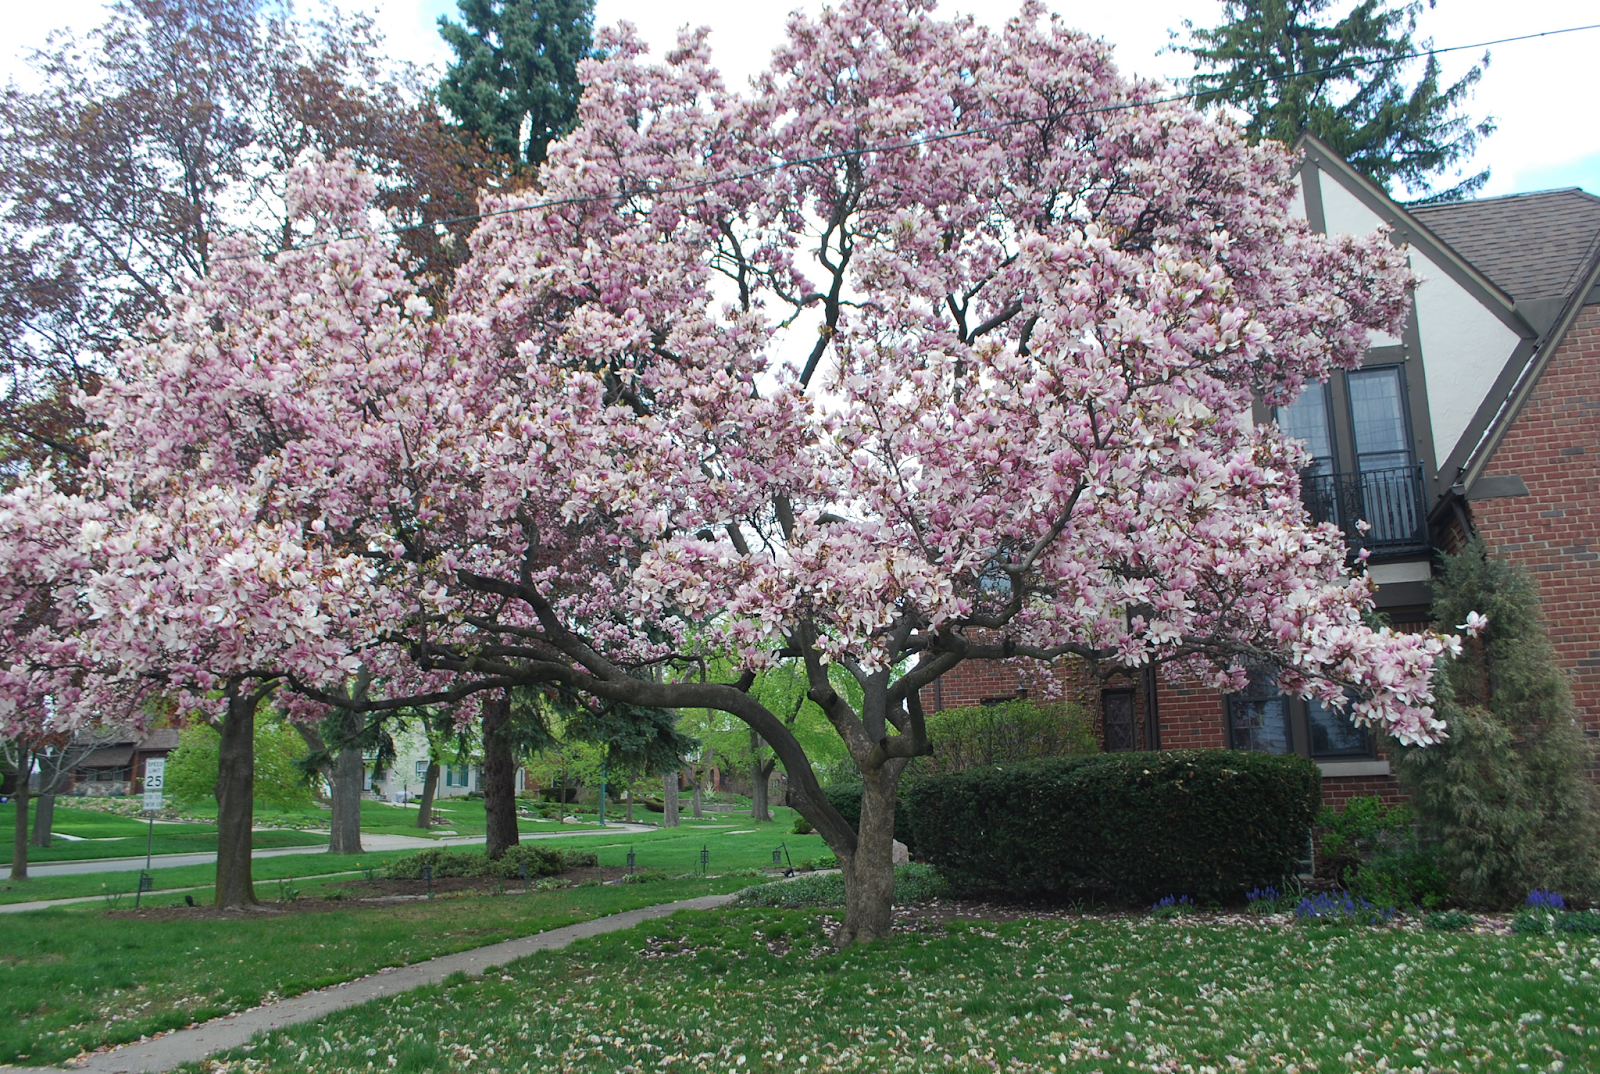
x=1532, y=246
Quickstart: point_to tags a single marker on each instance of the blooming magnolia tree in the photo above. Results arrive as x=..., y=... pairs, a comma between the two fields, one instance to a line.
x=939, y=347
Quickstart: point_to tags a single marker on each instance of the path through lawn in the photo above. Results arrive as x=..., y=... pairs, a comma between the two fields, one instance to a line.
x=758, y=990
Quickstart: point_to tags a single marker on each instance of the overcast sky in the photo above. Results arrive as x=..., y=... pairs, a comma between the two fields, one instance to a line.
x=1540, y=92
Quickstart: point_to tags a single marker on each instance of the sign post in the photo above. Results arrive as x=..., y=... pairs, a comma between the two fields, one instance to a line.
x=155, y=772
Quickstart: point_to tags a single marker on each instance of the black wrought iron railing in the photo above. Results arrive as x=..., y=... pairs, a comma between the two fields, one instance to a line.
x=1388, y=501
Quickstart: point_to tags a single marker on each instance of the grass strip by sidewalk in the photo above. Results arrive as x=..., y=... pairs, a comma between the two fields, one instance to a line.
x=760, y=991
x=78, y=979
x=452, y=816
x=44, y=888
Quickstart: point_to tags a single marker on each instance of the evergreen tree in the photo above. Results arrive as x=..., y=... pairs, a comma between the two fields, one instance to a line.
x=514, y=82
x=1291, y=71
x=1505, y=799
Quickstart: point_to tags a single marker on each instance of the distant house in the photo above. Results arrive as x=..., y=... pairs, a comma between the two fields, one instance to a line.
x=116, y=764
x=1482, y=417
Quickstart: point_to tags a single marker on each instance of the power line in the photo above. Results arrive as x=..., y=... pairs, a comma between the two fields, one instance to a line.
x=891, y=147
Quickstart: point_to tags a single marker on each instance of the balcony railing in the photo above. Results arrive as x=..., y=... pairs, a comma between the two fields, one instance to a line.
x=1389, y=501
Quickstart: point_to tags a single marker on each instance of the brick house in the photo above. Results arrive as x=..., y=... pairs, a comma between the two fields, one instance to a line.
x=1482, y=417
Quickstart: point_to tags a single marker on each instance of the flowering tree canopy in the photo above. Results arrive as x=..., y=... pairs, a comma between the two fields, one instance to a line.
x=940, y=346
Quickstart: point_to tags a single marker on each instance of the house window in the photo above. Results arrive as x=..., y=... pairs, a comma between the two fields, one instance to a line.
x=455, y=775
x=422, y=769
x=1261, y=718
x=1119, y=720
x=1378, y=419
x=1332, y=735
x=1357, y=432
x=1258, y=717
x=1308, y=419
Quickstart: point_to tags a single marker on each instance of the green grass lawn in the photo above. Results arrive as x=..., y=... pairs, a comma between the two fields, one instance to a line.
x=759, y=990
x=732, y=842
x=106, y=835
x=79, y=978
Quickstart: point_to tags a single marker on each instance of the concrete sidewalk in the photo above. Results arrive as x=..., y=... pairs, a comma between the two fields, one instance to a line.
x=375, y=843
x=192, y=1045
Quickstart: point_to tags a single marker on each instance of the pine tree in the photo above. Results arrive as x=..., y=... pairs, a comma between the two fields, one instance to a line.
x=514, y=82
x=1291, y=71
x=1506, y=799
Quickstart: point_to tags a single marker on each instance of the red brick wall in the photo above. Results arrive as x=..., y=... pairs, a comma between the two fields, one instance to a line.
x=1554, y=532
x=1190, y=714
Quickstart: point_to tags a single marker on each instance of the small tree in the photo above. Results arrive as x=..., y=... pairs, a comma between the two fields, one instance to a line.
x=1505, y=798
x=277, y=754
x=1290, y=70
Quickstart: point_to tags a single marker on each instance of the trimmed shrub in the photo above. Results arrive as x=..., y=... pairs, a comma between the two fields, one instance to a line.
x=542, y=861
x=1130, y=826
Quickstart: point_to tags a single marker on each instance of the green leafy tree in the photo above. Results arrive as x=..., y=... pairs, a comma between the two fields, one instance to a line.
x=280, y=753
x=783, y=691
x=514, y=82
x=1505, y=799
x=1291, y=68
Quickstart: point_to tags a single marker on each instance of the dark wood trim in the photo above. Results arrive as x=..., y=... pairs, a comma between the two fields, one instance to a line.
x=1311, y=187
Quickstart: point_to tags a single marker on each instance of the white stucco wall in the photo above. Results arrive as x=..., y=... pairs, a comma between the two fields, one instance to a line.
x=1346, y=214
x=1464, y=348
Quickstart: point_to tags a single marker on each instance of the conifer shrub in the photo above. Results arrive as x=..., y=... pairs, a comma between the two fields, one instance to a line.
x=1128, y=826
x=1504, y=801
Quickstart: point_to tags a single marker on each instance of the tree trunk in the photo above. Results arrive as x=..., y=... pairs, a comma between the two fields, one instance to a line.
x=44, y=818
x=19, y=842
x=869, y=870
x=430, y=787
x=349, y=772
x=236, y=792
x=629, y=817
x=669, y=800
x=694, y=802
x=760, y=782
x=499, y=775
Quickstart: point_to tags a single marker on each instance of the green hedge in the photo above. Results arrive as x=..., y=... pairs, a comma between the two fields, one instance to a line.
x=846, y=798
x=1130, y=826
x=542, y=861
